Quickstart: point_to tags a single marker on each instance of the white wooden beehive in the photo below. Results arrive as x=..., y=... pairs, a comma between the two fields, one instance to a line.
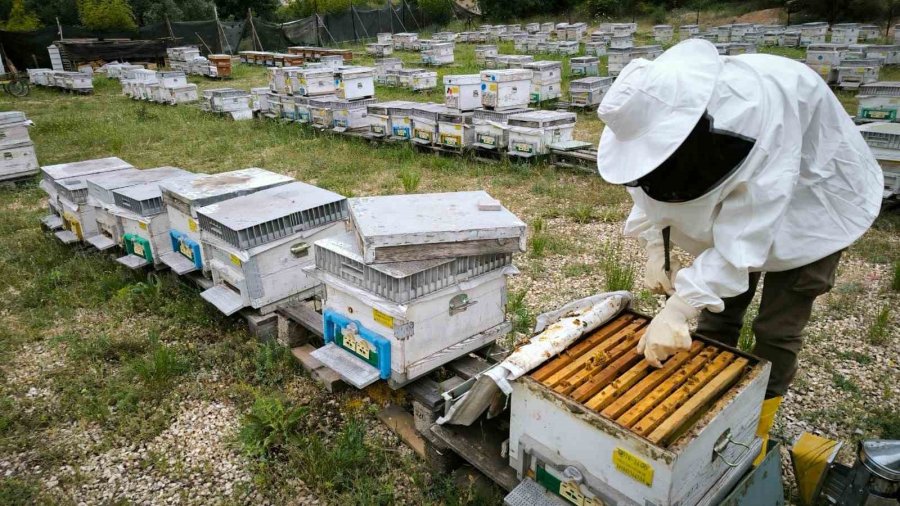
x=462, y=92
x=353, y=83
x=315, y=82
x=144, y=223
x=456, y=130
x=183, y=197
x=425, y=123
x=532, y=133
x=879, y=101
x=17, y=157
x=258, y=244
x=100, y=188
x=351, y=114
x=505, y=89
x=490, y=128
x=599, y=425
x=589, y=91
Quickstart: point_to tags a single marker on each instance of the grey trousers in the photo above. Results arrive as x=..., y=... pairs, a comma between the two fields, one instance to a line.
x=787, y=300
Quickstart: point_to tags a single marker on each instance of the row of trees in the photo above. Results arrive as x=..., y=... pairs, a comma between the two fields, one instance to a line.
x=25, y=15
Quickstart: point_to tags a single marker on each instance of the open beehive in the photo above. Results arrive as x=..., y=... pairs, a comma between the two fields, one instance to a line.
x=637, y=434
x=606, y=373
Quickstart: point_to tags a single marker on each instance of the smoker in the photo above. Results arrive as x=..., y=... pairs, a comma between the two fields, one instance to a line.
x=67, y=196
x=598, y=425
x=408, y=292
x=100, y=188
x=258, y=244
x=183, y=197
x=144, y=223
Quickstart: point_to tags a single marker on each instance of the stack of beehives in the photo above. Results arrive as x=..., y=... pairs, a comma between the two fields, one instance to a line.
x=187, y=59
x=17, y=158
x=409, y=292
x=76, y=82
x=168, y=87
x=234, y=102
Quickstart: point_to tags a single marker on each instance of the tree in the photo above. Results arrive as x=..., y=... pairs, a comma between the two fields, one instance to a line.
x=106, y=15
x=237, y=9
x=155, y=11
x=20, y=19
x=50, y=10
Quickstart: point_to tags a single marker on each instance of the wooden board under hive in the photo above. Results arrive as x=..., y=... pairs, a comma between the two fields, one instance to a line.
x=632, y=434
x=605, y=372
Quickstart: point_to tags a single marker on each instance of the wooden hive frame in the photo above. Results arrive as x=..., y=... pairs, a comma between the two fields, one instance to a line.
x=604, y=372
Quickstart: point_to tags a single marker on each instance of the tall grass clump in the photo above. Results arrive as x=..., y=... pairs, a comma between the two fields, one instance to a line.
x=618, y=271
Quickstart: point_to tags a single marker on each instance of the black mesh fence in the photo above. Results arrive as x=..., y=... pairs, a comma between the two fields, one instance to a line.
x=29, y=49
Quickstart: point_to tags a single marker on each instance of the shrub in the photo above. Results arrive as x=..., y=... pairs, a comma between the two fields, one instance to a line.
x=410, y=180
x=519, y=315
x=270, y=426
x=21, y=19
x=618, y=271
x=106, y=15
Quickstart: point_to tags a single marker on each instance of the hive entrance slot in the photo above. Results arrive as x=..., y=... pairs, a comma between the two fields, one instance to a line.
x=604, y=372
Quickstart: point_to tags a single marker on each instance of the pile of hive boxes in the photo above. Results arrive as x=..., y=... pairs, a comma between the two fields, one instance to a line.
x=187, y=59
x=324, y=95
x=850, y=66
x=227, y=101
x=75, y=82
x=17, y=158
x=164, y=87
x=407, y=292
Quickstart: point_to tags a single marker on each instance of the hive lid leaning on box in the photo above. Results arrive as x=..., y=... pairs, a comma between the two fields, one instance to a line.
x=212, y=188
x=84, y=168
x=400, y=228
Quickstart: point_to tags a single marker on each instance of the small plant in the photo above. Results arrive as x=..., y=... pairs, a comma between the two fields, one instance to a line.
x=578, y=270
x=270, y=426
x=895, y=280
x=879, y=332
x=162, y=366
x=618, y=271
x=274, y=364
x=843, y=383
x=746, y=339
x=144, y=114
x=582, y=213
x=519, y=315
x=410, y=180
x=537, y=243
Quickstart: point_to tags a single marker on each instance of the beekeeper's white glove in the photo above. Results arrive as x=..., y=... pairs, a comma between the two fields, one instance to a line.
x=668, y=333
x=656, y=279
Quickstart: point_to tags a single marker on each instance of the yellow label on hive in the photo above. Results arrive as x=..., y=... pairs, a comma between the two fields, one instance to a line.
x=192, y=225
x=492, y=87
x=633, y=466
x=142, y=225
x=235, y=260
x=383, y=319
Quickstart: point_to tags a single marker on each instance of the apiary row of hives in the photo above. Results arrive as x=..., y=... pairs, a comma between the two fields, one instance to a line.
x=164, y=87
x=78, y=82
x=850, y=66
x=17, y=157
x=404, y=293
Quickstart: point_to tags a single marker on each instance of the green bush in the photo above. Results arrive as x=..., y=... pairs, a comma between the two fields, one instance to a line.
x=519, y=315
x=410, y=180
x=618, y=270
x=270, y=426
x=20, y=19
x=106, y=15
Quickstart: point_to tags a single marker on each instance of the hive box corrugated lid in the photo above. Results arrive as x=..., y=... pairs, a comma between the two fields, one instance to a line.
x=144, y=199
x=101, y=186
x=84, y=168
x=275, y=213
x=209, y=189
x=400, y=228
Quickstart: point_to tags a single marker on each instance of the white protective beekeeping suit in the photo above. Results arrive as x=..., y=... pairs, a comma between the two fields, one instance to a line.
x=808, y=187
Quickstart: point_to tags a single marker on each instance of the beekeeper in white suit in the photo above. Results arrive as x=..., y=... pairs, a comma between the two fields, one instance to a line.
x=752, y=165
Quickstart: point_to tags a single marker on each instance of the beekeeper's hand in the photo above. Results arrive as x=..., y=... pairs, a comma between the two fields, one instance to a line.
x=656, y=279
x=668, y=333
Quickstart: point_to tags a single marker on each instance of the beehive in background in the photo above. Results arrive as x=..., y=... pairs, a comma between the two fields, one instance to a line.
x=17, y=157
x=532, y=133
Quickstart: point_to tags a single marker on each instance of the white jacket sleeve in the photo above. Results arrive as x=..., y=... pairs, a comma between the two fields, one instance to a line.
x=639, y=226
x=743, y=233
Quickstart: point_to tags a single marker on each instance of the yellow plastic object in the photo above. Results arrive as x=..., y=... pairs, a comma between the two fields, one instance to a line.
x=766, y=420
x=812, y=455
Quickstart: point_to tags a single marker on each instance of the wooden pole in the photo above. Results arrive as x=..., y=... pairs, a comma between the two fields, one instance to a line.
x=59, y=27
x=353, y=23
x=169, y=26
x=203, y=42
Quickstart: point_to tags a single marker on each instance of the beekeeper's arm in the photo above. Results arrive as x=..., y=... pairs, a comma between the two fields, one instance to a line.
x=743, y=233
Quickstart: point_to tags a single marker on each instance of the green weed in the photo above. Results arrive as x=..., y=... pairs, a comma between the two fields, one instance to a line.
x=15, y=492
x=578, y=270
x=880, y=332
x=843, y=383
x=618, y=271
x=860, y=358
x=270, y=427
x=746, y=339
x=274, y=364
x=520, y=316
x=582, y=213
x=410, y=180
x=895, y=278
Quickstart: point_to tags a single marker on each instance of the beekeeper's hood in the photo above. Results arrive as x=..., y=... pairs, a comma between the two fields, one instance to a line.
x=662, y=132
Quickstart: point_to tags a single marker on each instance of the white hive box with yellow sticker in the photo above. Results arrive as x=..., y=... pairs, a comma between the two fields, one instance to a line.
x=257, y=245
x=144, y=221
x=184, y=197
x=435, y=291
x=599, y=425
x=67, y=196
x=101, y=198
x=505, y=89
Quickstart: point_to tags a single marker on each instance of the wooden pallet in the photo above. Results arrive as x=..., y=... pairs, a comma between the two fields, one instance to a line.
x=604, y=372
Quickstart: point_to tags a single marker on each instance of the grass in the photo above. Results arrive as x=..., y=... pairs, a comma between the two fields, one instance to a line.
x=880, y=331
x=123, y=352
x=746, y=339
x=844, y=383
